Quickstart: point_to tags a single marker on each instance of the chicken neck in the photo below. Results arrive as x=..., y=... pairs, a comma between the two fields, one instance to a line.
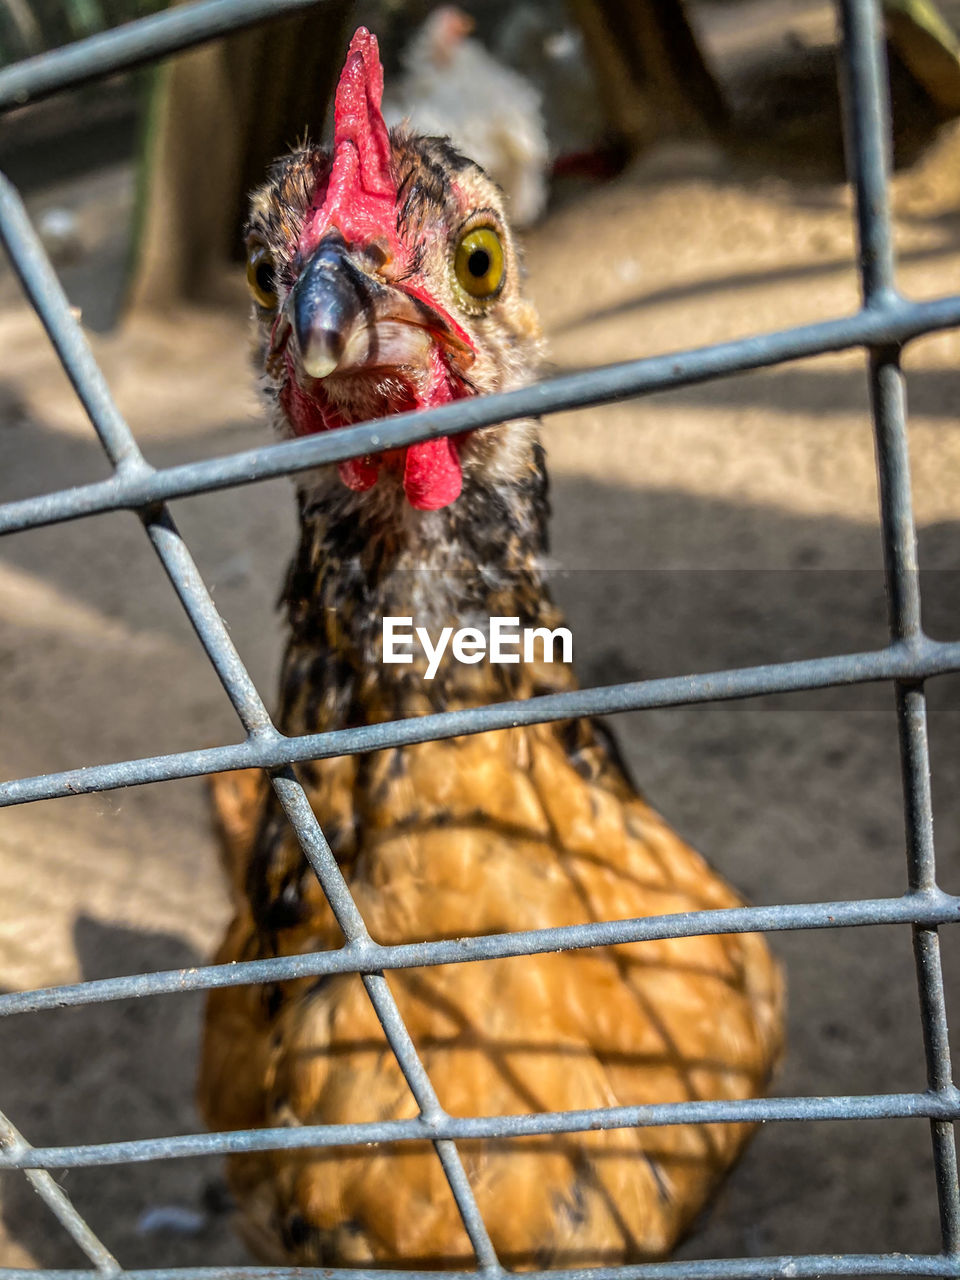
x=363, y=557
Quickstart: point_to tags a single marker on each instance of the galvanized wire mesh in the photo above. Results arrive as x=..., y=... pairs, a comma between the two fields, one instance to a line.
x=882, y=326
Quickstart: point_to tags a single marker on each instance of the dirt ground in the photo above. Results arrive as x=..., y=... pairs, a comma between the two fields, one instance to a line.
x=710, y=527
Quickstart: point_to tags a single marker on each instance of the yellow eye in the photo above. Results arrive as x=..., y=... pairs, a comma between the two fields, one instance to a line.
x=479, y=263
x=261, y=276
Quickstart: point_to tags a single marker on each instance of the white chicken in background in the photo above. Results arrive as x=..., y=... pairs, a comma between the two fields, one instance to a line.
x=451, y=86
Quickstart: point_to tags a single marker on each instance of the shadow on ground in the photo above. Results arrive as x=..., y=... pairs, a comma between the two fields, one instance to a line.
x=105, y=1073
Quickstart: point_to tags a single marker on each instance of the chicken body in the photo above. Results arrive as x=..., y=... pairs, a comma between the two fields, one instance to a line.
x=521, y=829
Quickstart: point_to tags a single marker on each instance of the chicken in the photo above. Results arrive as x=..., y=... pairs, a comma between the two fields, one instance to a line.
x=452, y=86
x=385, y=278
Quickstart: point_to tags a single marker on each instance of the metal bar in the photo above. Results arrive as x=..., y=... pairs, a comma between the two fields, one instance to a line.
x=883, y=1106
x=433, y=1118
x=14, y=1144
x=196, y=600
x=866, y=110
x=918, y=813
x=45, y=293
x=210, y=628
x=932, y=908
x=327, y=870
x=868, y=133
x=782, y=1267
x=892, y=323
x=921, y=659
x=884, y=324
x=903, y=589
x=888, y=403
x=133, y=44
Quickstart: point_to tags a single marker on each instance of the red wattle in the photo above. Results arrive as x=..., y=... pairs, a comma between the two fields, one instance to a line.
x=432, y=476
x=359, y=474
x=303, y=413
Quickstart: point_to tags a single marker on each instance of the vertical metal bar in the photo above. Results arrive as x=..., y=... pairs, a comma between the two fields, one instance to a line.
x=59, y=1204
x=866, y=109
x=867, y=120
x=918, y=813
x=327, y=870
x=898, y=530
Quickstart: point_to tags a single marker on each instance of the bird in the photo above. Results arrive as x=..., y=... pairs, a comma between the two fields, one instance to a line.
x=452, y=85
x=385, y=277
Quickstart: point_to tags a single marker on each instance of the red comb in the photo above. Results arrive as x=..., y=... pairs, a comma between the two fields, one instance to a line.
x=360, y=198
x=360, y=201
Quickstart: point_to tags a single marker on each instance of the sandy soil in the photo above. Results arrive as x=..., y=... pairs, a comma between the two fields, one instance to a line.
x=724, y=524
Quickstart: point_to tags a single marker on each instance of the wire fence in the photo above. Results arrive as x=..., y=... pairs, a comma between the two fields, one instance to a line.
x=27, y=29
x=882, y=326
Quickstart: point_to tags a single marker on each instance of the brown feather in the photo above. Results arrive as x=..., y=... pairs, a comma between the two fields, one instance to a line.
x=481, y=835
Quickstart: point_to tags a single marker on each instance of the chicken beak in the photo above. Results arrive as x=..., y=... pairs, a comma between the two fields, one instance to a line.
x=331, y=297
x=345, y=318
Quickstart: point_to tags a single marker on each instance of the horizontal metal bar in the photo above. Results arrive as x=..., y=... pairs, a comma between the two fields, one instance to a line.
x=932, y=907
x=781, y=1267
x=919, y=659
x=133, y=44
x=880, y=1106
x=893, y=323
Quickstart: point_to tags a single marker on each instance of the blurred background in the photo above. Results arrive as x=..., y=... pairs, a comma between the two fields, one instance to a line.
x=141, y=180
x=679, y=173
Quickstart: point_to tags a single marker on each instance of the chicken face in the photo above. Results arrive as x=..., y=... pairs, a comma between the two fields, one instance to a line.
x=385, y=279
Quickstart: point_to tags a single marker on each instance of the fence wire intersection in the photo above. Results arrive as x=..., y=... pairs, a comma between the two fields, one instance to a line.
x=885, y=322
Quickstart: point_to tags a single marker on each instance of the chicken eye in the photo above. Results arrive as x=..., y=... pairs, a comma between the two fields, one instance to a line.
x=261, y=276
x=478, y=263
